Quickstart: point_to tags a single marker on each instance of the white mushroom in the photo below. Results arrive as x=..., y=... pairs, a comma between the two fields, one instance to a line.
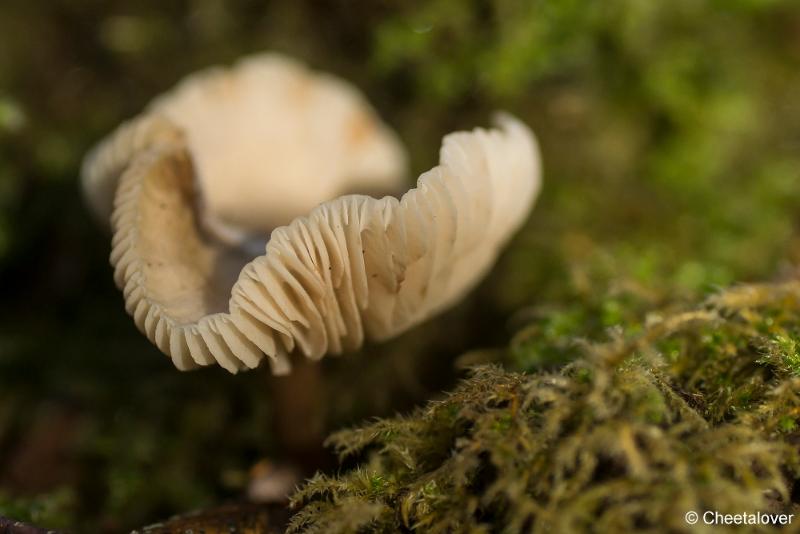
x=232, y=154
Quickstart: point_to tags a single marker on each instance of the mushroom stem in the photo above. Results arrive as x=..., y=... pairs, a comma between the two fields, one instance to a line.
x=298, y=414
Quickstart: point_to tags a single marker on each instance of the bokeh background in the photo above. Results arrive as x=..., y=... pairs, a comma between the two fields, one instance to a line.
x=670, y=134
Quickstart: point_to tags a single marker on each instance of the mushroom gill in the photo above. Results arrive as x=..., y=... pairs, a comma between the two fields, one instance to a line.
x=209, y=170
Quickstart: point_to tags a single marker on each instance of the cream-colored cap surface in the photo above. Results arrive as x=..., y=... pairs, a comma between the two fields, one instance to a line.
x=231, y=154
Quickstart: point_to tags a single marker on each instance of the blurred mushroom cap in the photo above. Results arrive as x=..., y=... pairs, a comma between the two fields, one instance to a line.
x=194, y=185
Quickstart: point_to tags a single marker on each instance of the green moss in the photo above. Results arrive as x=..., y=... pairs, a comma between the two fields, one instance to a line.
x=622, y=438
x=53, y=510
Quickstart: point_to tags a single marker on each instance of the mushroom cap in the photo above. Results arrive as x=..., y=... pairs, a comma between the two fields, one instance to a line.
x=188, y=199
x=266, y=133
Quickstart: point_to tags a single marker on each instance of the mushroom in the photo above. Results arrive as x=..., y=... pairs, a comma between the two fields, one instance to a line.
x=193, y=186
x=242, y=226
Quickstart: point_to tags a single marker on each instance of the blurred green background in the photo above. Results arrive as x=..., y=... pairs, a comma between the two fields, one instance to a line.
x=670, y=134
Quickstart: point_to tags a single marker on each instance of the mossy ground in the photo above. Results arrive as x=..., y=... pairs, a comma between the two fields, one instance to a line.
x=696, y=411
x=670, y=134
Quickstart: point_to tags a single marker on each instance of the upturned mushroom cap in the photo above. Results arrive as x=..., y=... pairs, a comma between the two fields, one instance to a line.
x=232, y=154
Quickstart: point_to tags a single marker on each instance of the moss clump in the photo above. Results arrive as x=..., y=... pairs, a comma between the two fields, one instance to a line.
x=53, y=509
x=697, y=411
